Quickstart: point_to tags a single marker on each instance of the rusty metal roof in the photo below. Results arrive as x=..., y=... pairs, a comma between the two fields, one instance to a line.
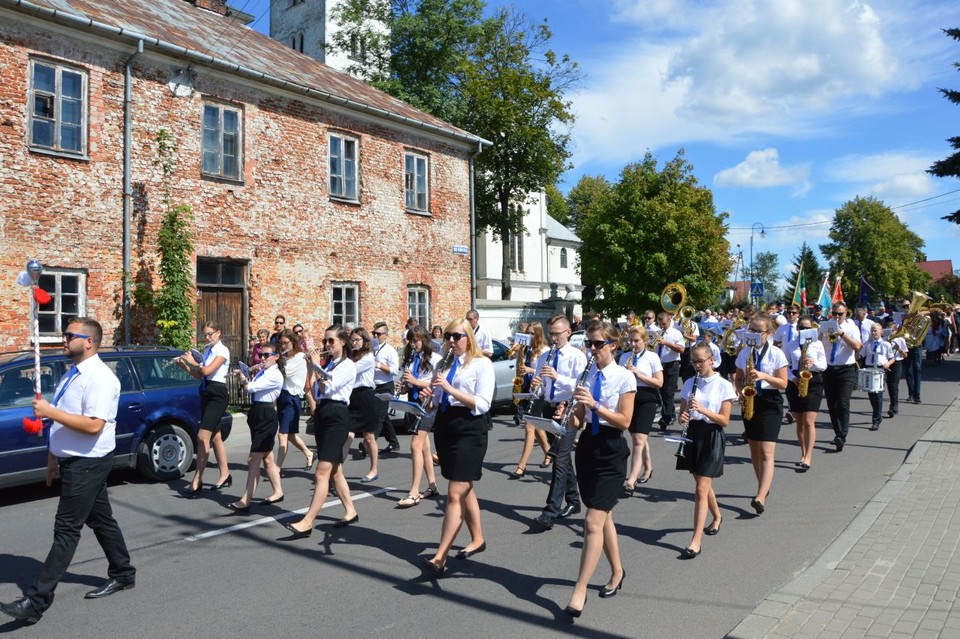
x=177, y=27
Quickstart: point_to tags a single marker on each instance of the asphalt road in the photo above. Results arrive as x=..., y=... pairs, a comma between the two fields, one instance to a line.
x=206, y=573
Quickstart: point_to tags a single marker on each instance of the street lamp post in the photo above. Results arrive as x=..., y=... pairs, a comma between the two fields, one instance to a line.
x=753, y=274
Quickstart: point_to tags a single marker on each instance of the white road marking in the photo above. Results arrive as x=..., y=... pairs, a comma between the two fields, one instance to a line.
x=287, y=515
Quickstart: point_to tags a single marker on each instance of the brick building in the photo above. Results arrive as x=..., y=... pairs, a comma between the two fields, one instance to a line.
x=313, y=194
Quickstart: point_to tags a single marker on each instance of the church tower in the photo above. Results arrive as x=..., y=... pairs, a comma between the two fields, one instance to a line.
x=304, y=25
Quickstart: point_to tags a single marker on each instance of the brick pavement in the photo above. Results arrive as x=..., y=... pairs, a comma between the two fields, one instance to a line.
x=895, y=571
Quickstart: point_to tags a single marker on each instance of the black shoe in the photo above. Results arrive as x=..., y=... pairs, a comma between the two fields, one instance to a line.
x=22, y=609
x=226, y=483
x=606, y=593
x=545, y=521
x=875, y=427
x=239, y=510
x=644, y=480
x=890, y=414
x=432, y=568
x=713, y=529
x=108, y=589
x=571, y=509
x=690, y=553
x=389, y=449
x=466, y=554
x=267, y=502
x=757, y=506
x=916, y=400
x=346, y=522
x=297, y=534
x=839, y=443
x=573, y=612
x=192, y=493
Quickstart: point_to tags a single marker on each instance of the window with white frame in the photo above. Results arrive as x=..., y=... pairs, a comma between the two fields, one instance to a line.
x=515, y=247
x=345, y=304
x=418, y=304
x=563, y=258
x=68, y=290
x=343, y=166
x=222, y=141
x=415, y=181
x=58, y=108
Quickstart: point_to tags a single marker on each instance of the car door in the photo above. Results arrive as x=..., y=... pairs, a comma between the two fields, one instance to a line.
x=130, y=409
x=504, y=368
x=20, y=452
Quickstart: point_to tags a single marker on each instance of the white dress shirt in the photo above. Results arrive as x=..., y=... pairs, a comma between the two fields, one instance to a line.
x=711, y=393
x=93, y=392
x=838, y=353
x=876, y=353
x=668, y=355
x=770, y=362
x=785, y=334
x=645, y=362
x=343, y=374
x=211, y=353
x=483, y=339
x=570, y=363
x=295, y=374
x=617, y=381
x=364, y=371
x=385, y=354
x=474, y=378
x=814, y=352
x=266, y=385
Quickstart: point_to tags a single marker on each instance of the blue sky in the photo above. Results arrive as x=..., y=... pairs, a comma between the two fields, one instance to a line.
x=786, y=108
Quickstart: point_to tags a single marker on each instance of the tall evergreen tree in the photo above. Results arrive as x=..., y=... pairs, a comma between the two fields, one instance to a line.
x=812, y=272
x=950, y=166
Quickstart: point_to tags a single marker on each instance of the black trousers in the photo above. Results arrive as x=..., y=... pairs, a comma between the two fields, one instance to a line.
x=83, y=500
x=893, y=385
x=838, y=385
x=563, y=477
x=671, y=372
x=384, y=425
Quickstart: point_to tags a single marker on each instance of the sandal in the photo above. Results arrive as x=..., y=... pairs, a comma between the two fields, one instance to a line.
x=409, y=501
x=546, y=462
x=518, y=473
x=628, y=489
x=431, y=491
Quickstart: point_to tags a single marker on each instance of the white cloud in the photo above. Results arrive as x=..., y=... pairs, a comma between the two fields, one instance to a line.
x=876, y=167
x=762, y=169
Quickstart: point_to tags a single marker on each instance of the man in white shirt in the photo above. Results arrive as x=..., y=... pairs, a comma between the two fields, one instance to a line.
x=484, y=341
x=863, y=323
x=386, y=364
x=82, y=440
x=840, y=378
x=558, y=378
x=669, y=348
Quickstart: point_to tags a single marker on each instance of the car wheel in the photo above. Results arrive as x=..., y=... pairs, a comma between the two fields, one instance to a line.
x=166, y=453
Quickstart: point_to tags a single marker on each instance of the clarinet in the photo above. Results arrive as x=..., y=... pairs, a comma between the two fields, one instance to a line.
x=683, y=434
x=572, y=404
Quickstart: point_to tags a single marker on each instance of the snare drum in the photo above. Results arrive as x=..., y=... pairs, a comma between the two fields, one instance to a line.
x=870, y=380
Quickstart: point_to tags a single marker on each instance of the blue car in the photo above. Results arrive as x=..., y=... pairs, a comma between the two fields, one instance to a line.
x=157, y=418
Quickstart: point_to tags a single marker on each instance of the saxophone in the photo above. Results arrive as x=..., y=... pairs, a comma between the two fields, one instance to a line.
x=749, y=391
x=804, y=384
x=518, y=379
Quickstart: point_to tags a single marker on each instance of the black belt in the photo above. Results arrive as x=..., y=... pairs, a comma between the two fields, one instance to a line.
x=670, y=364
x=841, y=366
x=330, y=401
x=262, y=403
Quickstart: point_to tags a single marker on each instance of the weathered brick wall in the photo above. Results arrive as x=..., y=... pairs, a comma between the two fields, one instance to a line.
x=68, y=213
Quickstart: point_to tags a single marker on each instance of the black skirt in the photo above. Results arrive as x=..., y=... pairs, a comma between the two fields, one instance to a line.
x=644, y=410
x=767, y=417
x=461, y=441
x=363, y=410
x=810, y=403
x=601, y=462
x=262, y=420
x=704, y=455
x=213, y=404
x=331, y=430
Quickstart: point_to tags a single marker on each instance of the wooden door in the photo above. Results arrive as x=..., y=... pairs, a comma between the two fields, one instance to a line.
x=224, y=306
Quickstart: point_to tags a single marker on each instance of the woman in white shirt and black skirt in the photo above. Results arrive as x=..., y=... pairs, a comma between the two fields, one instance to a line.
x=805, y=409
x=463, y=394
x=604, y=411
x=645, y=366
x=363, y=401
x=336, y=375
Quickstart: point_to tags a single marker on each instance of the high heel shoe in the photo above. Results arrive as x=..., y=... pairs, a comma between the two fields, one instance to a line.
x=644, y=480
x=606, y=593
x=192, y=493
x=518, y=473
x=226, y=483
x=573, y=612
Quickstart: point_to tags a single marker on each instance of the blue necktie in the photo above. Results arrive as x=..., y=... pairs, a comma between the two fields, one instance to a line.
x=636, y=359
x=791, y=332
x=415, y=393
x=833, y=352
x=73, y=372
x=444, y=396
x=876, y=351
x=553, y=383
x=597, y=387
x=660, y=350
x=203, y=379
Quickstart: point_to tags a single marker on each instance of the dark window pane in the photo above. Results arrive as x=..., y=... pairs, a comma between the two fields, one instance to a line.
x=48, y=323
x=43, y=106
x=231, y=121
x=230, y=168
x=68, y=284
x=43, y=133
x=207, y=272
x=211, y=162
x=71, y=85
x=70, y=304
x=211, y=140
x=70, y=137
x=71, y=111
x=48, y=283
x=335, y=187
x=211, y=118
x=334, y=146
x=231, y=273
x=44, y=78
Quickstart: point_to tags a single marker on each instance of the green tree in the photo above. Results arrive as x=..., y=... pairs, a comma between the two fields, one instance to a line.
x=950, y=166
x=868, y=239
x=656, y=226
x=588, y=194
x=557, y=206
x=766, y=266
x=173, y=301
x=946, y=288
x=513, y=93
x=812, y=273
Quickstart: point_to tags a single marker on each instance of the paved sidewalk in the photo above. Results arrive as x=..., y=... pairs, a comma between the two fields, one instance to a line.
x=895, y=571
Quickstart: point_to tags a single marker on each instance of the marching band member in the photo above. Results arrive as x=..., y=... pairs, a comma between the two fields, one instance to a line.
x=363, y=403
x=417, y=373
x=805, y=409
x=557, y=378
x=787, y=332
x=840, y=378
x=705, y=414
x=331, y=428
x=669, y=349
x=895, y=372
x=876, y=353
x=648, y=372
x=768, y=375
x=538, y=348
x=604, y=411
x=464, y=395
x=264, y=390
x=294, y=367
x=386, y=365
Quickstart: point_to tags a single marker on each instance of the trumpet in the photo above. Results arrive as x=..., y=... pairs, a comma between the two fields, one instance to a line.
x=803, y=386
x=681, y=448
x=573, y=403
x=749, y=391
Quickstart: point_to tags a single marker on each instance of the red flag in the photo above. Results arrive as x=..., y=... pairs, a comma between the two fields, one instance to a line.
x=838, y=290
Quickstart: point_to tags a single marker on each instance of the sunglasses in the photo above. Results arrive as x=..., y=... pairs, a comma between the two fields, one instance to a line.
x=597, y=343
x=266, y=355
x=454, y=336
x=300, y=332
x=329, y=340
x=792, y=312
x=279, y=323
x=69, y=337
x=379, y=333
x=838, y=313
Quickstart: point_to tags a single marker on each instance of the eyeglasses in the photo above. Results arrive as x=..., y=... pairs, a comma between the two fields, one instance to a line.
x=206, y=334
x=558, y=334
x=697, y=362
x=838, y=313
x=380, y=333
x=597, y=343
x=454, y=336
x=69, y=337
x=329, y=340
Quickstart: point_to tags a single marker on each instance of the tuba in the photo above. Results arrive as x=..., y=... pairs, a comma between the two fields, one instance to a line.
x=686, y=314
x=749, y=391
x=672, y=298
x=915, y=324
